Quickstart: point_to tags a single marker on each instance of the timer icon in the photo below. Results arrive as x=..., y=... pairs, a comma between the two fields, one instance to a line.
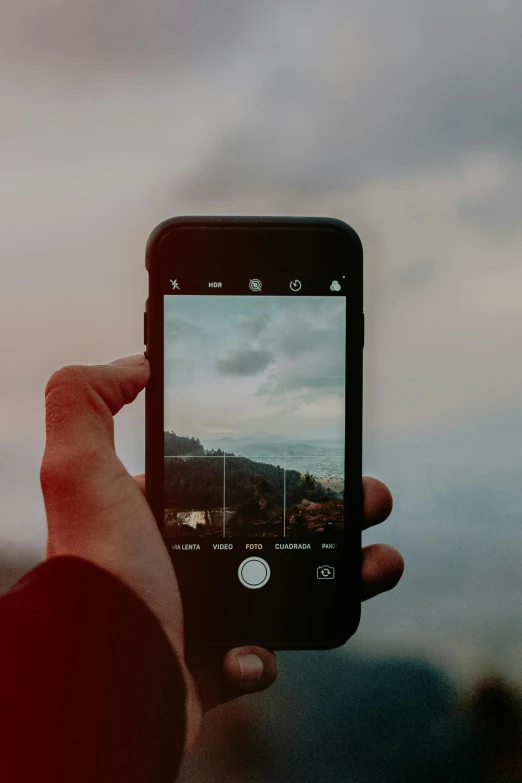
x=295, y=285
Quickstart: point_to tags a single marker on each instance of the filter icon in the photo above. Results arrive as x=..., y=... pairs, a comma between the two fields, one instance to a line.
x=255, y=285
x=336, y=286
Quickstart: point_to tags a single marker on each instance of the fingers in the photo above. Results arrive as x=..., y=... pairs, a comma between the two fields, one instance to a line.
x=249, y=670
x=242, y=670
x=378, y=502
x=382, y=567
x=81, y=401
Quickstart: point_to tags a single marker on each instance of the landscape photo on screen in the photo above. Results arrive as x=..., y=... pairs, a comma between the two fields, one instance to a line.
x=254, y=415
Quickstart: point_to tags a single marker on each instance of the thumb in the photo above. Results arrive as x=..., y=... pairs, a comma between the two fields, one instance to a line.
x=81, y=477
x=81, y=401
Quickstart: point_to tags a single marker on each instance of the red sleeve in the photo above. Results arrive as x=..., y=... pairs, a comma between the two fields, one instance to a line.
x=90, y=688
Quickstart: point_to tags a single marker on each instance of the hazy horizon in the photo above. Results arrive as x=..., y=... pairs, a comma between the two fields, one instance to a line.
x=258, y=438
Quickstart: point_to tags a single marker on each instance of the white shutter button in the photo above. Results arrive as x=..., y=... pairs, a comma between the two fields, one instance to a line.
x=254, y=572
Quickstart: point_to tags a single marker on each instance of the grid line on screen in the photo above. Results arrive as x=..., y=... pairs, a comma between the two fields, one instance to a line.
x=286, y=424
x=224, y=450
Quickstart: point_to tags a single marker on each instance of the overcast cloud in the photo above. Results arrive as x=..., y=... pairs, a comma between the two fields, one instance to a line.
x=288, y=380
x=244, y=361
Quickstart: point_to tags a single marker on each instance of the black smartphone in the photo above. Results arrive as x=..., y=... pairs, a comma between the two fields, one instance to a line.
x=254, y=330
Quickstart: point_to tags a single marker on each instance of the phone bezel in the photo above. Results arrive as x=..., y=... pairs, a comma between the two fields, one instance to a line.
x=160, y=246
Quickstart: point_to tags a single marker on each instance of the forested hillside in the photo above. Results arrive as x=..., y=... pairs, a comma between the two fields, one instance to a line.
x=255, y=492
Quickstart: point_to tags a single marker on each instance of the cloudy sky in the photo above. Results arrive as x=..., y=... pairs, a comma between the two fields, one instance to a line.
x=403, y=119
x=242, y=366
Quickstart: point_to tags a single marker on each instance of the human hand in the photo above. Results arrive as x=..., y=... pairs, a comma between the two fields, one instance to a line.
x=97, y=511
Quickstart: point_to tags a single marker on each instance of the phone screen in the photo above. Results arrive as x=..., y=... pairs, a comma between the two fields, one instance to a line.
x=256, y=363
x=254, y=417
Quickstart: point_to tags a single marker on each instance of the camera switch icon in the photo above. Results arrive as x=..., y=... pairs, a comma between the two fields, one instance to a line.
x=325, y=572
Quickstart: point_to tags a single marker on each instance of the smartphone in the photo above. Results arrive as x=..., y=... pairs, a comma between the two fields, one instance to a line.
x=254, y=330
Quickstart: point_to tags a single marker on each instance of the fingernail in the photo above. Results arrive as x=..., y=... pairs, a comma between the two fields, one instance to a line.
x=130, y=361
x=251, y=667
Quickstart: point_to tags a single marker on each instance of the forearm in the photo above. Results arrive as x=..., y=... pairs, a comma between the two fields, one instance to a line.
x=90, y=687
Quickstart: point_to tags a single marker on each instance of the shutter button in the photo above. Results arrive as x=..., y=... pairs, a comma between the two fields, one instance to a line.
x=254, y=572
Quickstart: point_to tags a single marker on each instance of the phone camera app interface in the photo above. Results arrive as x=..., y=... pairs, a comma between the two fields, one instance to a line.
x=254, y=416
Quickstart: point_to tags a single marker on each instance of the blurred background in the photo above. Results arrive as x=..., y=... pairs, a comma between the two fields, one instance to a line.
x=402, y=118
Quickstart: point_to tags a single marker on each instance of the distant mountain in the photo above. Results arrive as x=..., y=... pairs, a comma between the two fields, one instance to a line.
x=227, y=440
x=248, y=446
x=273, y=445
